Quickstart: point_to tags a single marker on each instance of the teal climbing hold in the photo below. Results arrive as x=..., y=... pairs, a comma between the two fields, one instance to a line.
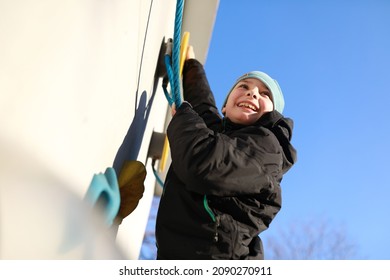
x=104, y=192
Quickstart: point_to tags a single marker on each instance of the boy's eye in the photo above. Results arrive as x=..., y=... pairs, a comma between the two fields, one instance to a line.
x=243, y=86
x=265, y=93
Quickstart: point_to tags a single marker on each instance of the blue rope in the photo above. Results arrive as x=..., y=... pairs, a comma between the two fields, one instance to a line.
x=173, y=67
x=176, y=50
x=158, y=179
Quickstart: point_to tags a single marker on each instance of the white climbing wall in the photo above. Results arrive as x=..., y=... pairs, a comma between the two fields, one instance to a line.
x=71, y=75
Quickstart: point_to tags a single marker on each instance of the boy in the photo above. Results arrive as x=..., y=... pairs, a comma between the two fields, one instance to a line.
x=223, y=186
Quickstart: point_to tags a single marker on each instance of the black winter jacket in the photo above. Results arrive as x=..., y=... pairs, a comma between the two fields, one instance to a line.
x=223, y=186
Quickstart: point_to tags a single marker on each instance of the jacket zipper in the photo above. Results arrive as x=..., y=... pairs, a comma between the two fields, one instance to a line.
x=212, y=216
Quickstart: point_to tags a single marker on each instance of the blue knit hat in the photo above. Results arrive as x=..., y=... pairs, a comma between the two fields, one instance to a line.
x=271, y=84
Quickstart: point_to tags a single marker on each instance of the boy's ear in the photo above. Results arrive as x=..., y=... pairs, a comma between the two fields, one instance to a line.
x=224, y=110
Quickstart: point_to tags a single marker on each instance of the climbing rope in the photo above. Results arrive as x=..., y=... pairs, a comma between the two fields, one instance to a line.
x=174, y=58
x=172, y=64
x=158, y=179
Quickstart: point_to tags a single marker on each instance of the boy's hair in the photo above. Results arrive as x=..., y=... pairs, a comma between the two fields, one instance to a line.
x=271, y=84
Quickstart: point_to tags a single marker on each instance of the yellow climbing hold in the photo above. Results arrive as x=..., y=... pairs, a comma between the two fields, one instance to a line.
x=131, y=187
x=183, y=49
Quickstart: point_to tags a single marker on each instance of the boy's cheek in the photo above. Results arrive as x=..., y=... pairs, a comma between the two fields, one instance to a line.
x=266, y=104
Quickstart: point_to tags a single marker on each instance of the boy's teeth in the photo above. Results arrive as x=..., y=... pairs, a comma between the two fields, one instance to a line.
x=247, y=106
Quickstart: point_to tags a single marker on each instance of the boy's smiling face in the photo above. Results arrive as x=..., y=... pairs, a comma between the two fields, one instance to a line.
x=248, y=101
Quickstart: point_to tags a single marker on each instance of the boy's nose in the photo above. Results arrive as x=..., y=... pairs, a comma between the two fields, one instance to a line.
x=254, y=93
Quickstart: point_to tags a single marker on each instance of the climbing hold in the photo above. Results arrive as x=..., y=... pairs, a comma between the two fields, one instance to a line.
x=161, y=71
x=131, y=187
x=103, y=192
x=156, y=145
x=183, y=49
x=164, y=155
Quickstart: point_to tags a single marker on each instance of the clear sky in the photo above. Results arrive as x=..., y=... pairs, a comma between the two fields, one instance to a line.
x=332, y=61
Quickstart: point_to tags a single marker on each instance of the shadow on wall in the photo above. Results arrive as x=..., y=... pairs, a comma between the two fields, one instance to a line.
x=132, y=142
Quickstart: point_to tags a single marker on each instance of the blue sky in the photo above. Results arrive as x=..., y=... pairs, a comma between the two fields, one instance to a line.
x=332, y=60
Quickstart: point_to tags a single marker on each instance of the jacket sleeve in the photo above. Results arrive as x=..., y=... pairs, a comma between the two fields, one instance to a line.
x=282, y=128
x=212, y=163
x=197, y=92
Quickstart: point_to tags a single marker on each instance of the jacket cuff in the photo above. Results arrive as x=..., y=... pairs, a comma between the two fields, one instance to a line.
x=184, y=105
x=190, y=63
